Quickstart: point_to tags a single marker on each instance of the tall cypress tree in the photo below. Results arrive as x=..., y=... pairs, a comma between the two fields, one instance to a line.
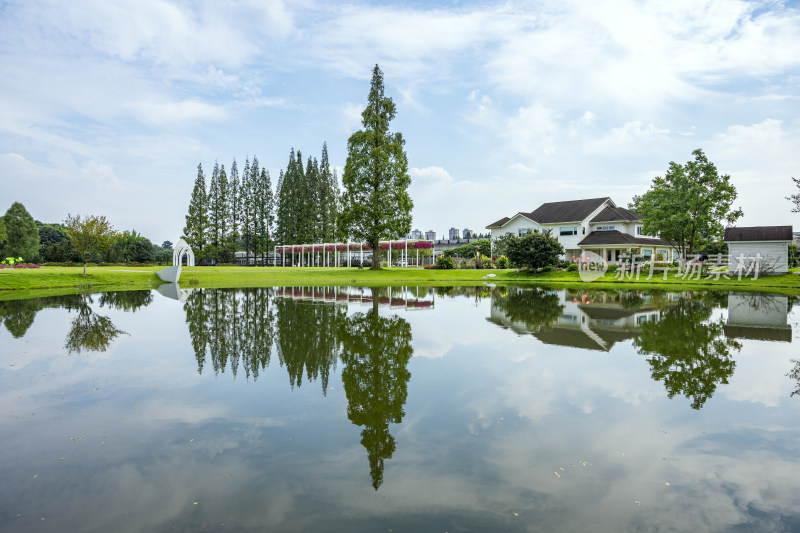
x=196, y=230
x=214, y=214
x=328, y=198
x=223, y=202
x=235, y=210
x=376, y=204
x=245, y=194
x=280, y=230
x=266, y=213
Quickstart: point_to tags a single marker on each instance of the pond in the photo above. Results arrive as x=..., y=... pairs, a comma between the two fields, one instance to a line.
x=400, y=409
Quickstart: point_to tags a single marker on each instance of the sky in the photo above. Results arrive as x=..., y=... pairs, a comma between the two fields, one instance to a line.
x=106, y=108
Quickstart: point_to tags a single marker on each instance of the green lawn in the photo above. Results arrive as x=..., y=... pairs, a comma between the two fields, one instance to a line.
x=21, y=283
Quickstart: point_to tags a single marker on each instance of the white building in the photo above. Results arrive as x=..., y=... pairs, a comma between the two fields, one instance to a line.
x=594, y=224
x=769, y=245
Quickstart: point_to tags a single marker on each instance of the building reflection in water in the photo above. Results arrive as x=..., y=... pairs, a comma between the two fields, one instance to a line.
x=591, y=320
x=759, y=316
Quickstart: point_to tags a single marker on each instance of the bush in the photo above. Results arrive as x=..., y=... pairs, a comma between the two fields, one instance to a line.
x=444, y=263
x=535, y=251
x=502, y=262
x=612, y=268
x=470, y=265
x=572, y=267
x=548, y=268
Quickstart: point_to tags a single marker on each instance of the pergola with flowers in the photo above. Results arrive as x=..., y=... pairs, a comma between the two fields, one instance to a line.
x=333, y=254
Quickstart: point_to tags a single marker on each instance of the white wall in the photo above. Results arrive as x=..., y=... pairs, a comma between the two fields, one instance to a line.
x=774, y=255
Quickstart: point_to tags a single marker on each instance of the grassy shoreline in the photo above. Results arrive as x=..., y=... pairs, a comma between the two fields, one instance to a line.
x=30, y=283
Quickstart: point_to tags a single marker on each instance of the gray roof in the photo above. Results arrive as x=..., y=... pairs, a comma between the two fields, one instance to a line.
x=499, y=223
x=759, y=233
x=556, y=212
x=570, y=211
x=610, y=237
x=613, y=214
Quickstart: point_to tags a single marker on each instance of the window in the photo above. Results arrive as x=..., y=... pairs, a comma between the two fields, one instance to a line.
x=584, y=230
x=647, y=253
x=606, y=228
x=569, y=230
x=639, y=230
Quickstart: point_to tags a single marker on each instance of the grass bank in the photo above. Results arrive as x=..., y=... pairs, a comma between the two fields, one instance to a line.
x=23, y=283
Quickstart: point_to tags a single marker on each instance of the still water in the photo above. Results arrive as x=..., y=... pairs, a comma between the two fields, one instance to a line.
x=402, y=409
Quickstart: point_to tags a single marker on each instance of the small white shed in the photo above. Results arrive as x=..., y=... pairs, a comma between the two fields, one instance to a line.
x=766, y=245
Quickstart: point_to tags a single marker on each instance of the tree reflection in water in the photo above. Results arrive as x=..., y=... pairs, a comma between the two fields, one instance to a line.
x=233, y=327
x=537, y=308
x=375, y=352
x=90, y=331
x=237, y=328
x=687, y=351
x=307, y=338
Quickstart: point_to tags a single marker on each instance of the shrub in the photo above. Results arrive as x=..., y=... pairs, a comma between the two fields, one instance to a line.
x=612, y=268
x=502, y=262
x=548, y=268
x=535, y=251
x=572, y=267
x=444, y=263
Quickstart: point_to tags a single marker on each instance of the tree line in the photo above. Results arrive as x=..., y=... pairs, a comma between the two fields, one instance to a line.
x=22, y=236
x=307, y=206
x=241, y=211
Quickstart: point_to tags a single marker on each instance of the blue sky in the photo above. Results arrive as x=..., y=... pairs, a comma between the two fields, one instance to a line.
x=107, y=107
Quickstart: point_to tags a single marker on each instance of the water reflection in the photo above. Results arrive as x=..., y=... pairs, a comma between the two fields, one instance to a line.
x=375, y=352
x=308, y=339
x=688, y=351
x=497, y=408
x=758, y=316
x=89, y=330
x=311, y=331
x=231, y=327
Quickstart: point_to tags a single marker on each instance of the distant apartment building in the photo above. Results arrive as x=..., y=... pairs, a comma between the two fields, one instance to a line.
x=430, y=235
x=415, y=234
x=468, y=233
x=453, y=235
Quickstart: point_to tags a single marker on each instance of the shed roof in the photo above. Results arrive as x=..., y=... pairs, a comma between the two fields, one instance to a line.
x=758, y=233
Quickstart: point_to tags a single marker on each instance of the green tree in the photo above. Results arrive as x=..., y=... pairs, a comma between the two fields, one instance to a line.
x=130, y=247
x=22, y=236
x=265, y=214
x=688, y=351
x=247, y=199
x=235, y=206
x=89, y=236
x=690, y=205
x=328, y=198
x=538, y=309
x=195, y=233
x=54, y=245
x=376, y=204
x=376, y=351
x=534, y=251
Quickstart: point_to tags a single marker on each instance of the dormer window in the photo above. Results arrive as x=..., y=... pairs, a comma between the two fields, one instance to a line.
x=606, y=228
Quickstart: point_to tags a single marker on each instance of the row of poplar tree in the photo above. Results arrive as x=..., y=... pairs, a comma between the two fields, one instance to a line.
x=240, y=210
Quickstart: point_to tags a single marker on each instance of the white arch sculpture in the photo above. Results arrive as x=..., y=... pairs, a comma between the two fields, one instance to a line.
x=173, y=274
